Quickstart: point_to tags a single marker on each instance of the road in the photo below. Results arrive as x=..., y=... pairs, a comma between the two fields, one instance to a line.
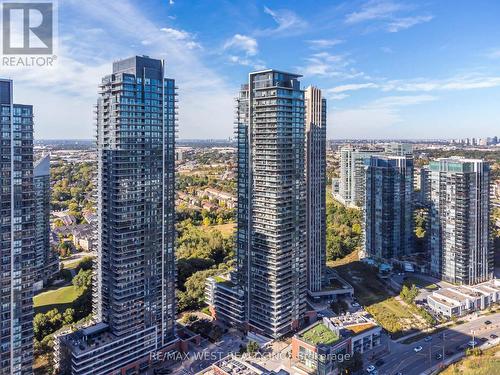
x=402, y=358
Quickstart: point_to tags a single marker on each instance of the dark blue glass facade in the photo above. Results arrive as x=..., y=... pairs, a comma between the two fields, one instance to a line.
x=17, y=225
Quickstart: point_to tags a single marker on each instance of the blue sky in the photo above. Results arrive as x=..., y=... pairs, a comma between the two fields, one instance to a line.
x=389, y=68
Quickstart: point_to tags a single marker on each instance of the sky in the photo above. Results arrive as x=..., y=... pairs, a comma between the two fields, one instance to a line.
x=388, y=68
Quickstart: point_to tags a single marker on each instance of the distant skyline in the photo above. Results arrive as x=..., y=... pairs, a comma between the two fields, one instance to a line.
x=390, y=69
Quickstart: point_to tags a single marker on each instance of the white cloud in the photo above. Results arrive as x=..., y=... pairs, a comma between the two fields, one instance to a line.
x=287, y=22
x=406, y=22
x=463, y=82
x=392, y=102
x=324, y=43
x=255, y=64
x=375, y=119
x=243, y=43
x=63, y=98
x=325, y=64
x=392, y=16
x=182, y=36
x=374, y=10
x=340, y=96
x=352, y=87
x=176, y=34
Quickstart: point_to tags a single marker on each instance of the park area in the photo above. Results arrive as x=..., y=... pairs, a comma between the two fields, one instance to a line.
x=59, y=298
x=383, y=303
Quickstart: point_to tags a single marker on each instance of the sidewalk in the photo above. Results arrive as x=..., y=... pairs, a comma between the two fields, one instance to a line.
x=455, y=358
x=464, y=319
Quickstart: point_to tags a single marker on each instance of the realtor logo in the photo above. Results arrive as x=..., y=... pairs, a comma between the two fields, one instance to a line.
x=27, y=28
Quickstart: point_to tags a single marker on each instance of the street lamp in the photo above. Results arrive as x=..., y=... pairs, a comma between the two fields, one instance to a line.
x=444, y=334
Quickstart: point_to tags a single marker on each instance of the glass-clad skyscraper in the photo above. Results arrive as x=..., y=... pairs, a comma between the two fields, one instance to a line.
x=271, y=236
x=315, y=128
x=388, y=209
x=135, y=288
x=17, y=236
x=460, y=240
x=46, y=260
x=135, y=142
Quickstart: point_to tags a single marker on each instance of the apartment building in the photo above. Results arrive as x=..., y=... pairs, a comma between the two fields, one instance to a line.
x=351, y=184
x=17, y=234
x=315, y=127
x=135, y=289
x=46, y=260
x=388, y=209
x=460, y=232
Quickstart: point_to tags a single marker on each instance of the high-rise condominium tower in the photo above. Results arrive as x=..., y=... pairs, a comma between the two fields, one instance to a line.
x=352, y=170
x=271, y=236
x=388, y=210
x=17, y=234
x=46, y=260
x=461, y=243
x=135, y=291
x=315, y=127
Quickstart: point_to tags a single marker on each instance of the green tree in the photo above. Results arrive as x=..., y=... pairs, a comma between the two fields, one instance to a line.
x=252, y=347
x=68, y=316
x=40, y=326
x=83, y=280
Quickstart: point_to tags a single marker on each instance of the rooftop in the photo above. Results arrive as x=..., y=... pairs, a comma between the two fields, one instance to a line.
x=359, y=328
x=319, y=334
x=232, y=365
x=223, y=281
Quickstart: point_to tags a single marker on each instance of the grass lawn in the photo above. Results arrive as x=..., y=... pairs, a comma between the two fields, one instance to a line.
x=74, y=264
x=486, y=364
x=390, y=314
x=352, y=257
x=320, y=334
x=227, y=230
x=373, y=294
x=368, y=288
x=60, y=298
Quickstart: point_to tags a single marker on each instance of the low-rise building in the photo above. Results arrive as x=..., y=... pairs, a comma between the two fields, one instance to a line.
x=85, y=237
x=321, y=347
x=219, y=196
x=95, y=350
x=464, y=299
x=232, y=365
x=225, y=300
x=90, y=217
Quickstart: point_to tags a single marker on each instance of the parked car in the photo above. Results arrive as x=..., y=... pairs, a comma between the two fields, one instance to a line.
x=417, y=349
x=493, y=336
x=355, y=304
x=438, y=356
x=428, y=338
x=483, y=339
x=449, y=352
x=488, y=322
x=472, y=343
x=379, y=363
x=370, y=369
